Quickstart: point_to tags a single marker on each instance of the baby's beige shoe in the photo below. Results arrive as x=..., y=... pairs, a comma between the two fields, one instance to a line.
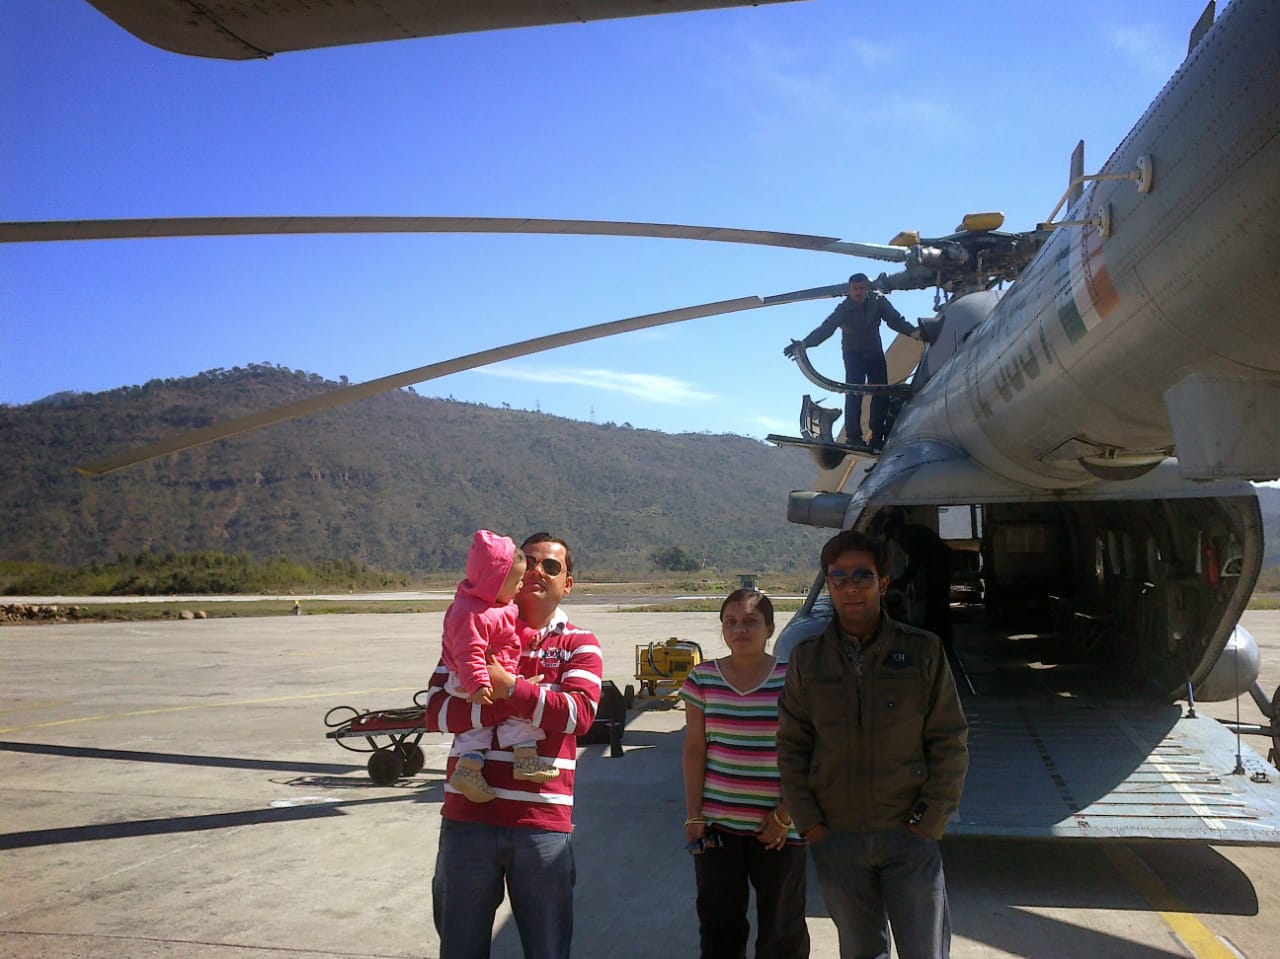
x=468, y=779
x=529, y=767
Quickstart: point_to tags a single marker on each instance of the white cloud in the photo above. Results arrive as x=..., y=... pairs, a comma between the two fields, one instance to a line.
x=774, y=425
x=791, y=89
x=787, y=80
x=916, y=112
x=872, y=55
x=1145, y=47
x=646, y=386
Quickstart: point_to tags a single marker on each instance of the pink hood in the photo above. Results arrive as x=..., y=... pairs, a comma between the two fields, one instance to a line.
x=488, y=562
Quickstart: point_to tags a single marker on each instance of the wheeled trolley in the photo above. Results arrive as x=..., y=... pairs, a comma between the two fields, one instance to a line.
x=401, y=730
x=391, y=736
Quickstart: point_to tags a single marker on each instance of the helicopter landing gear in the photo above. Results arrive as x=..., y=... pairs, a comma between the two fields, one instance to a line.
x=1274, y=757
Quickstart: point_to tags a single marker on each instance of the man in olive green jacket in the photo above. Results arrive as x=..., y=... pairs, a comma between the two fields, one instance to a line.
x=872, y=751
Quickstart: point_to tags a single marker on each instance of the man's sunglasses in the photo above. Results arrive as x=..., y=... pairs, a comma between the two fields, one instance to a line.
x=860, y=577
x=552, y=567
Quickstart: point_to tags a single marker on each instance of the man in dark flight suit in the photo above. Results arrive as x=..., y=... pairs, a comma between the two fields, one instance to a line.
x=858, y=316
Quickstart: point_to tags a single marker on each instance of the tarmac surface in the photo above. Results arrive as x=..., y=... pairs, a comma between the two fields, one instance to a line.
x=168, y=790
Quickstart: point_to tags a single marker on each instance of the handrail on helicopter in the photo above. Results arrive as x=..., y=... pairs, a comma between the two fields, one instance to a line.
x=901, y=390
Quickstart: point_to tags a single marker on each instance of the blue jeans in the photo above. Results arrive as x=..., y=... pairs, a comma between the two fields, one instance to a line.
x=865, y=366
x=473, y=863
x=871, y=880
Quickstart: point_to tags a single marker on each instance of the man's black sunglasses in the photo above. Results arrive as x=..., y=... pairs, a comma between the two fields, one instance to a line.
x=552, y=567
x=858, y=577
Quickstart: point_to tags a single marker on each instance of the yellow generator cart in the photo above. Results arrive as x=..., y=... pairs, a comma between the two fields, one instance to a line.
x=662, y=668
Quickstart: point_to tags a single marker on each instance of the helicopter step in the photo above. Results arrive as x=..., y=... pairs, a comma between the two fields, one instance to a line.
x=817, y=424
x=816, y=445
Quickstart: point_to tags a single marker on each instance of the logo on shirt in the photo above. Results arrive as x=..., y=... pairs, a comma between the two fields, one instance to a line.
x=897, y=659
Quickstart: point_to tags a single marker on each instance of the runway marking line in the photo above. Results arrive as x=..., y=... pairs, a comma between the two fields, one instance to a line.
x=183, y=709
x=1191, y=932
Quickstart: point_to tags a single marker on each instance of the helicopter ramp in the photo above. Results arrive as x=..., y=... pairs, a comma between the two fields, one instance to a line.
x=1062, y=767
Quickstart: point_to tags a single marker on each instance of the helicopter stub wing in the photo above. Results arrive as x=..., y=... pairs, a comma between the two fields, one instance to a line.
x=930, y=472
x=250, y=29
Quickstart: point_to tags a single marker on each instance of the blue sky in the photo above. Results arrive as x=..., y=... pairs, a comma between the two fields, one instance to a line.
x=845, y=119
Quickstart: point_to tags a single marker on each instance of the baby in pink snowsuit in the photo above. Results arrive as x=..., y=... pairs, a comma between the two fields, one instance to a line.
x=483, y=621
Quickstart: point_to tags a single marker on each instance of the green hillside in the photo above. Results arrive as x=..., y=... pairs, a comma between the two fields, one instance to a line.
x=396, y=482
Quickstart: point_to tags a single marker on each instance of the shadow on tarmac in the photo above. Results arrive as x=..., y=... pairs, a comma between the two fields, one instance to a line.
x=412, y=790
x=1079, y=875
x=628, y=846
x=134, y=756
x=633, y=874
x=1000, y=888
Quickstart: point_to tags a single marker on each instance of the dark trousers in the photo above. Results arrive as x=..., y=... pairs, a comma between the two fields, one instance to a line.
x=865, y=366
x=778, y=877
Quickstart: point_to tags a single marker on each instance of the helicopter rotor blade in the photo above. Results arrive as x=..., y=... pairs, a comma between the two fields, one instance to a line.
x=349, y=394
x=35, y=231
x=902, y=357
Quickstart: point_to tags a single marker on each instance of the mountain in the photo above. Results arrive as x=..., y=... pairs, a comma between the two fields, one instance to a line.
x=396, y=482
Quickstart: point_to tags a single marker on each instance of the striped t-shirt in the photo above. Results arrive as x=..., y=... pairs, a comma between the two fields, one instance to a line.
x=742, y=784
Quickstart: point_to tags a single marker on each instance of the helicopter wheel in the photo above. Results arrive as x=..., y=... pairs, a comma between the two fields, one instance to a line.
x=414, y=759
x=1274, y=758
x=385, y=766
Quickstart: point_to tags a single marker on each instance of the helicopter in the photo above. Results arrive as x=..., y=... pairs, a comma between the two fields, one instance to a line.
x=1091, y=400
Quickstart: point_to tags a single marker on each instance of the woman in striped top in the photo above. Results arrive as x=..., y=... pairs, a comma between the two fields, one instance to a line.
x=737, y=826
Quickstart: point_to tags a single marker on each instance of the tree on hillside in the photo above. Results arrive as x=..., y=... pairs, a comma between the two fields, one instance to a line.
x=674, y=559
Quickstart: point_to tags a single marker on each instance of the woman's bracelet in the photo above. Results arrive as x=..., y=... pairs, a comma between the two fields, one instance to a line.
x=695, y=819
x=784, y=823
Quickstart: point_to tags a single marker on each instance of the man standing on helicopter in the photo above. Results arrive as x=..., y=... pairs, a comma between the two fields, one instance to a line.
x=858, y=317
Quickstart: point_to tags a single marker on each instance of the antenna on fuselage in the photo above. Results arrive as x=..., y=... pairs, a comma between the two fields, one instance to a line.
x=1076, y=177
x=1202, y=26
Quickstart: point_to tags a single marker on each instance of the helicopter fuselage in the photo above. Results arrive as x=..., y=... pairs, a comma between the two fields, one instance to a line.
x=1098, y=357
x=1106, y=410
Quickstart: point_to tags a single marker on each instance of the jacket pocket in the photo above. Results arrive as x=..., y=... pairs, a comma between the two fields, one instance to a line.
x=898, y=705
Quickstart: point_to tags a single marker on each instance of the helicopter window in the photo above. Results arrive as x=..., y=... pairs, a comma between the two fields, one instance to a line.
x=960, y=522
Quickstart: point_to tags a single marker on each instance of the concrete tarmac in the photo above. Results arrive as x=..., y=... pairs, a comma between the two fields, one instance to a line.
x=167, y=790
